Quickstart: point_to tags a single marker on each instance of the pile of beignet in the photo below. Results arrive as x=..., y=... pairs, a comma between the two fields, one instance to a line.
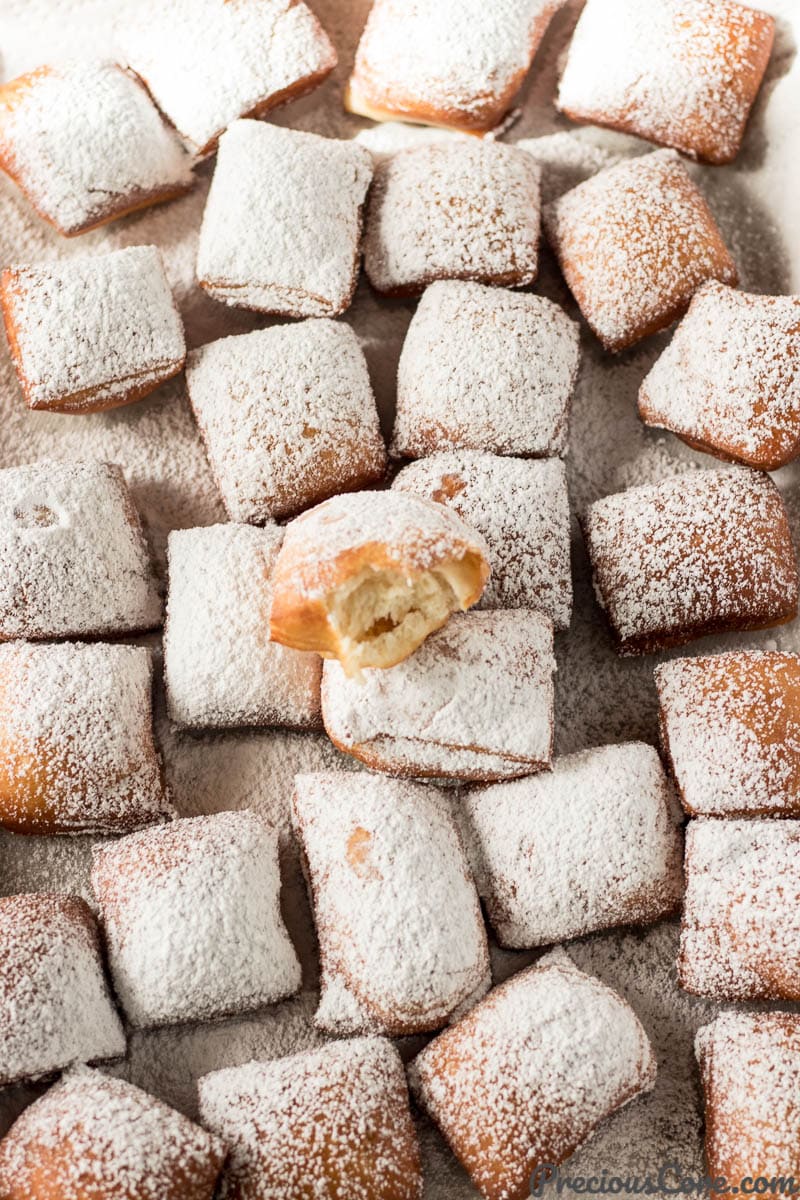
x=411, y=610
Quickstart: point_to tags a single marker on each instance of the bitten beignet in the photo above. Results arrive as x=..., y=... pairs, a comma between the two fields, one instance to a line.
x=76, y=739
x=457, y=63
x=288, y=417
x=485, y=369
x=592, y=844
x=192, y=920
x=55, y=1007
x=740, y=936
x=474, y=703
x=683, y=73
x=365, y=577
x=730, y=729
x=466, y=211
x=750, y=1070
x=528, y=1074
x=86, y=145
x=728, y=382
x=402, y=941
x=89, y=334
x=327, y=1122
x=699, y=553
x=99, y=1138
x=635, y=243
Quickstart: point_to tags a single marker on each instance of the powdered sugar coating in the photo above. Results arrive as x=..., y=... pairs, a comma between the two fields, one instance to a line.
x=750, y=1067
x=591, y=844
x=288, y=417
x=521, y=508
x=680, y=72
x=566, y=159
x=453, y=211
x=76, y=739
x=73, y=558
x=635, y=243
x=730, y=378
x=485, y=369
x=85, y=143
x=174, y=904
x=281, y=231
x=740, y=937
x=88, y=332
x=529, y=1072
x=54, y=1003
x=207, y=62
x=93, y=1135
x=730, y=725
x=338, y=1116
x=220, y=669
x=474, y=702
x=698, y=553
x=402, y=942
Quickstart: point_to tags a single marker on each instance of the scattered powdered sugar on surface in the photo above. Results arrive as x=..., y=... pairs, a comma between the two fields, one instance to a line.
x=569, y=158
x=474, y=702
x=73, y=559
x=387, y=137
x=220, y=669
x=288, y=417
x=591, y=844
x=86, y=141
x=396, y=912
x=485, y=369
x=521, y=509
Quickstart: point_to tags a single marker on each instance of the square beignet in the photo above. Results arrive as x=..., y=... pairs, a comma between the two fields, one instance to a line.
x=55, y=1007
x=474, y=703
x=521, y=510
x=288, y=417
x=750, y=1070
x=592, y=844
x=730, y=730
x=281, y=230
x=728, y=383
x=740, y=935
x=210, y=61
x=90, y=334
x=401, y=938
x=683, y=73
x=76, y=739
x=453, y=210
x=457, y=63
x=173, y=903
x=528, y=1074
x=485, y=369
x=86, y=145
x=100, y=1138
x=219, y=668
x=327, y=1122
x=74, y=561
x=634, y=244
x=703, y=552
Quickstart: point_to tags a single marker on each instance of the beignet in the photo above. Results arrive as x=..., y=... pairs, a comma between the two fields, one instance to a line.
x=219, y=668
x=634, y=244
x=474, y=703
x=365, y=577
x=592, y=844
x=327, y=1122
x=703, y=552
x=175, y=904
x=401, y=938
x=728, y=382
x=89, y=334
x=55, y=1008
x=528, y=1074
x=288, y=417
